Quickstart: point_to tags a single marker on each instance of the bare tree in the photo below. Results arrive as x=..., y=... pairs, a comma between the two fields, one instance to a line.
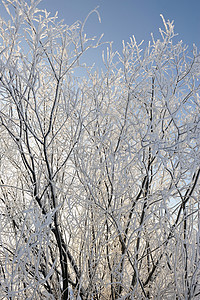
x=99, y=172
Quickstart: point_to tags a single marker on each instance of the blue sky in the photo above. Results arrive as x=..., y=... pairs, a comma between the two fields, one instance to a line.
x=124, y=18
x=121, y=19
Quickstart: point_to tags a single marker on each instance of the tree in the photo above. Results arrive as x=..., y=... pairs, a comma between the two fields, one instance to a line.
x=99, y=172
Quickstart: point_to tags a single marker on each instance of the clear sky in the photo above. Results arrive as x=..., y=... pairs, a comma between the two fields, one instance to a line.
x=121, y=19
x=124, y=18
